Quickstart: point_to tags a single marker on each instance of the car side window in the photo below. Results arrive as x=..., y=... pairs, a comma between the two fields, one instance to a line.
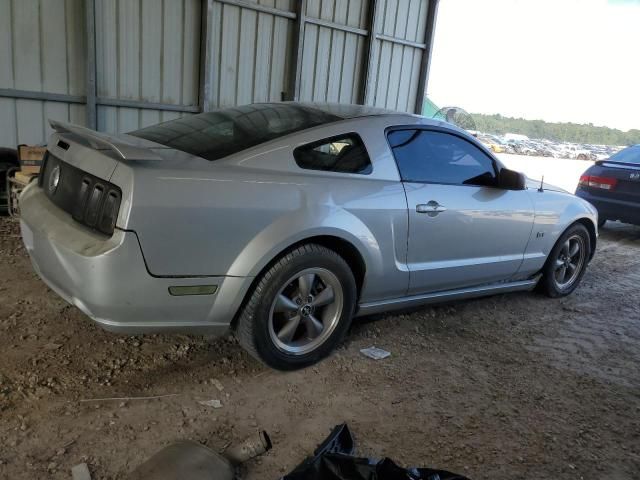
x=438, y=157
x=343, y=154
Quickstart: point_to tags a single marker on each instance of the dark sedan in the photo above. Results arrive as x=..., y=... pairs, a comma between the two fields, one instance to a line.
x=613, y=186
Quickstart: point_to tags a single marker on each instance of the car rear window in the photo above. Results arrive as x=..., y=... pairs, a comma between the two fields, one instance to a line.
x=342, y=154
x=218, y=134
x=628, y=155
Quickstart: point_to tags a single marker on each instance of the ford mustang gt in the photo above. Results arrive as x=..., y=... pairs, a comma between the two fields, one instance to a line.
x=284, y=221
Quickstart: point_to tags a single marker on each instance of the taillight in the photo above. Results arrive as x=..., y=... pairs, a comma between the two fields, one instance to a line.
x=97, y=205
x=594, y=181
x=109, y=212
x=91, y=201
x=93, y=206
x=81, y=202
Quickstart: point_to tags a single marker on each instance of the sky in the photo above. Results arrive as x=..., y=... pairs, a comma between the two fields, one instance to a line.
x=555, y=60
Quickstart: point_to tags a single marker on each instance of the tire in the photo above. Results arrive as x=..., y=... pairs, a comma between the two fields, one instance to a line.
x=268, y=329
x=601, y=221
x=554, y=283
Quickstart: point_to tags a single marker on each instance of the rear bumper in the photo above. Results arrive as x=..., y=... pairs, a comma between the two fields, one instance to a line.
x=612, y=209
x=108, y=280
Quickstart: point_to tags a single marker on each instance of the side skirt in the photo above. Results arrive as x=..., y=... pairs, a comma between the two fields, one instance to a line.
x=438, y=297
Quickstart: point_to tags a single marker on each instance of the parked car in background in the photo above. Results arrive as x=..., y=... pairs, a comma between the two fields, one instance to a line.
x=613, y=186
x=575, y=152
x=283, y=221
x=492, y=143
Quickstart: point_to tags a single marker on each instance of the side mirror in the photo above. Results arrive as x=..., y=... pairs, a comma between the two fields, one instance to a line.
x=511, y=180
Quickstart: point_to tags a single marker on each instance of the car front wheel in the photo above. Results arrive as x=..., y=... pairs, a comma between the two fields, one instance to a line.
x=567, y=262
x=300, y=308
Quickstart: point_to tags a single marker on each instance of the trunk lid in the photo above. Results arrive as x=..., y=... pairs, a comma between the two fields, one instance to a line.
x=78, y=170
x=627, y=176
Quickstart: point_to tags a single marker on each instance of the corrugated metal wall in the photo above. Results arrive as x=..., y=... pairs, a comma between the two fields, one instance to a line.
x=332, y=58
x=159, y=59
x=42, y=50
x=250, y=52
x=146, y=50
x=398, y=64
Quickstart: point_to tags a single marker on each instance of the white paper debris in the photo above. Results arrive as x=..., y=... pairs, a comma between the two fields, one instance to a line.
x=211, y=403
x=218, y=384
x=375, y=353
x=81, y=472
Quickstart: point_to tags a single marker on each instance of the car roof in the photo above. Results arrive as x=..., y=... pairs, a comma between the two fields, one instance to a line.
x=344, y=111
x=219, y=133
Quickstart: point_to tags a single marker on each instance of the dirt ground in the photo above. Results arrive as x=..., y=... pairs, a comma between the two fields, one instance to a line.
x=512, y=386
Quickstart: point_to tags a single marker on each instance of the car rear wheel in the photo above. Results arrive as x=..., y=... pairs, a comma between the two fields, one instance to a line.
x=567, y=262
x=299, y=310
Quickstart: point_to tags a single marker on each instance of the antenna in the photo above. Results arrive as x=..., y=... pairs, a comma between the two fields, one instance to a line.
x=541, y=189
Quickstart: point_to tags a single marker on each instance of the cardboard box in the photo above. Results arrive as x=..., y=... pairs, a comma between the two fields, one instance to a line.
x=31, y=158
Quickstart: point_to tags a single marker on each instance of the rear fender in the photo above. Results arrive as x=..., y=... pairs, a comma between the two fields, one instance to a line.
x=294, y=228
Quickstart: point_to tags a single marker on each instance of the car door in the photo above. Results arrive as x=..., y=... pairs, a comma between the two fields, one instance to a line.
x=463, y=230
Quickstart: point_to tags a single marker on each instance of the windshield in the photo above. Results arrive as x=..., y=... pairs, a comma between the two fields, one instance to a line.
x=217, y=134
x=628, y=155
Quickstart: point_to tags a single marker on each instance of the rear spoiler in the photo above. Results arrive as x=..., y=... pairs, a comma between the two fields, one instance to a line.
x=620, y=164
x=102, y=141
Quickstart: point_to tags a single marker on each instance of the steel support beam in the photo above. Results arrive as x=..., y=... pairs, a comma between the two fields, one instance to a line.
x=206, y=71
x=91, y=111
x=81, y=99
x=400, y=41
x=46, y=96
x=260, y=8
x=122, y=102
x=371, y=49
x=432, y=14
x=295, y=73
x=337, y=26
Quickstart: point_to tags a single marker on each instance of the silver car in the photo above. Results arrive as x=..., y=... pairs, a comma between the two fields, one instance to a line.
x=283, y=221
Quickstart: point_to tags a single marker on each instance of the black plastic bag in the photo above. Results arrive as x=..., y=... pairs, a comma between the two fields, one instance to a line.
x=333, y=460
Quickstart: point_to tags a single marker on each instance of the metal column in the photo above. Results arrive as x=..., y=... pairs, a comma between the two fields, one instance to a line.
x=92, y=116
x=432, y=13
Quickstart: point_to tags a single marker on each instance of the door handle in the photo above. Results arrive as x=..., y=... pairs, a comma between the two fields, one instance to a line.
x=432, y=208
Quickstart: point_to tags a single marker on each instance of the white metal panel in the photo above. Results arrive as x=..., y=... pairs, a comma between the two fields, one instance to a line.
x=146, y=50
x=250, y=53
x=76, y=55
x=107, y=62
x=191, y=52
x=264, y=49
x=332, y=58
x=128, y=57
x=151, y=61
x=149, y=50
x=280, y=60
x=8, y=132
x=246, y=57
x=27, y=69
x=398, y=65
x=39, y=52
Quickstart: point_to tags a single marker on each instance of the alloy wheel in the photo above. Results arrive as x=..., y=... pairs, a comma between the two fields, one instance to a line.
x=569, y=262
x=305, y=311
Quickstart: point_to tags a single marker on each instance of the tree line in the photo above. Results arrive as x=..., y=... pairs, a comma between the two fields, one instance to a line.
x=559, y=132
